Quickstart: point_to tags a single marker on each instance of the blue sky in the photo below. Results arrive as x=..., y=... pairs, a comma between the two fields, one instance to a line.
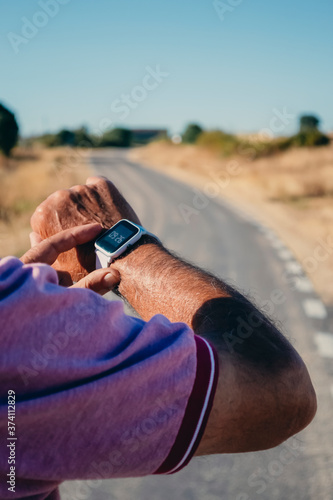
x=235, y=70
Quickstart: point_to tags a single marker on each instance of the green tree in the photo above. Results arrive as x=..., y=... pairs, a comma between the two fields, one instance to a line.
x=308, y=123
x=116, y=137
x=82, y=138
x=62, y=138
x=8, y=130
x=309, y=134
x=191, y=133
x=65, y=138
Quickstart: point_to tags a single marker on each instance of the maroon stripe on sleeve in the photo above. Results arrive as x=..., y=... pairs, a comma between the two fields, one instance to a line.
x=197, y=410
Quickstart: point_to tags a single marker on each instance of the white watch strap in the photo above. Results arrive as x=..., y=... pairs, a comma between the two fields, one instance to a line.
x=102, y=260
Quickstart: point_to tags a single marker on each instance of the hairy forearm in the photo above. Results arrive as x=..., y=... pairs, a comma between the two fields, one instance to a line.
x=154, y=281
x=264, y=392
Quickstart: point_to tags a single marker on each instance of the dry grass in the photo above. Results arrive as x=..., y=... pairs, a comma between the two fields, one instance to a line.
x=296, y=174
x=25, y=181
x=289, y=176
x=292, y=192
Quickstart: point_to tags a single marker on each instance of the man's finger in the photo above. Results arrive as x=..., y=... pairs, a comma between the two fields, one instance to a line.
x=49, y=249
x=94, y=179
x=100, y=281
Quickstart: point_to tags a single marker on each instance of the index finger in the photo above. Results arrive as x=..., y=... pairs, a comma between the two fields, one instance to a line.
x=49, y=249
x=95, y=179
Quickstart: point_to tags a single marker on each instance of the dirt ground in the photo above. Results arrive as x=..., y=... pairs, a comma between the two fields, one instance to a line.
x=25, y=181
x=291, y=192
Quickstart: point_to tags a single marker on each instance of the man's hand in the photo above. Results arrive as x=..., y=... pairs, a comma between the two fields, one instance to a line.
x=96, y=201
x=47, y=251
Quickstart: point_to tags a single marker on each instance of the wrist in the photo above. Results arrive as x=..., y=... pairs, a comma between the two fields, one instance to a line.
x=133, y=264
x=135, y=255
x=146, y=239
x=118, y=240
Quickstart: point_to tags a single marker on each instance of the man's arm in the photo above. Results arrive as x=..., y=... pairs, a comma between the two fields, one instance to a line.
x=264, y=392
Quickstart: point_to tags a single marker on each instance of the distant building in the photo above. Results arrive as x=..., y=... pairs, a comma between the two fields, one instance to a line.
x=145, y=135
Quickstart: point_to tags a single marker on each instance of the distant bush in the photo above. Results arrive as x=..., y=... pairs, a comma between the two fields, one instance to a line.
x=229, y=144
x=8, y=130
x=116, y=137
x=217, y=140
x=79, y=138
x=47, y=140
x=309, y=135
x=191, y=133
x=62, y=138
x=65, y=138
x=308, y=139
x=83, y=139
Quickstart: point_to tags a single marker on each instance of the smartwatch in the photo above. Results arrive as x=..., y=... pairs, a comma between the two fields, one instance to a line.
x=116, y=240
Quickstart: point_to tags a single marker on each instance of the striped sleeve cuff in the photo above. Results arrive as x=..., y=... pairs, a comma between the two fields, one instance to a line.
x=197, y=410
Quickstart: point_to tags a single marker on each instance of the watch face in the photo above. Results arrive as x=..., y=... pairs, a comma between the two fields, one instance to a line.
x=116, y=237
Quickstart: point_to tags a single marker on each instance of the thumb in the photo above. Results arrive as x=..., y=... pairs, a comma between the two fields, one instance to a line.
x=100, y=281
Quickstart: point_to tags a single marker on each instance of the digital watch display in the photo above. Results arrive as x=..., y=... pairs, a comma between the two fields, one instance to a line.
x=116, y=240
x=116, y=237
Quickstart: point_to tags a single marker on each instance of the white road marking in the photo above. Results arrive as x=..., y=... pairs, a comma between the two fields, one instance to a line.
x=270, y=235
x=332, y=391
x=314, y=308
x=285, y=254
x=263, y=229
x=294, y=267
x=278, y=244
x=302, y=284
x=324, y=343
x=240, y=214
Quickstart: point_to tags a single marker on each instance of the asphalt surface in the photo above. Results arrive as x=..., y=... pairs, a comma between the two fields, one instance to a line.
x=249, y=256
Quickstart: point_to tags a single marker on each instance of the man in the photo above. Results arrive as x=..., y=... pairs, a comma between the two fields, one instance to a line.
x=101, y=394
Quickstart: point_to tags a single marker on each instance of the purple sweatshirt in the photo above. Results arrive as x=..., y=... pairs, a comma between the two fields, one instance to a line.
x=88, y=392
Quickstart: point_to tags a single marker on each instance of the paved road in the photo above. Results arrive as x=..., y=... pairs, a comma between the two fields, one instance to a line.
x=250, y=256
